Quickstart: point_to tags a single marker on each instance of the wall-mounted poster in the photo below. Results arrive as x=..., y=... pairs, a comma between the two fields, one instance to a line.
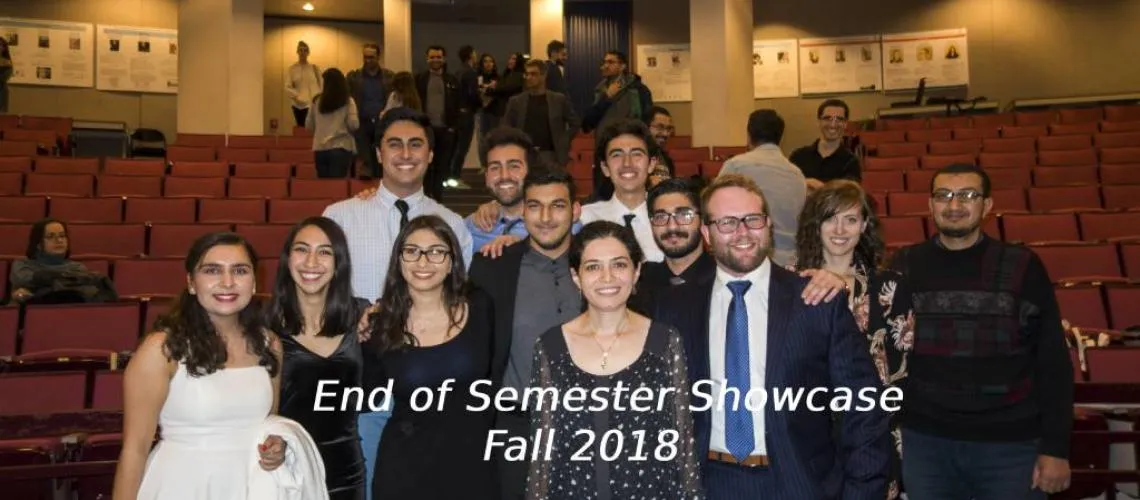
x=49, y=53
x=841, y=65
x=137, y=59
x=666, y=70
x=775, y=69
x=941, y=57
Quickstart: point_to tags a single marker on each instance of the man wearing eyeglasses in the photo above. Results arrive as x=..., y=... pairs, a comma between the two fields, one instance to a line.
x=675, y=214
x=827, y=158
x=988, y=401
x=754, y=326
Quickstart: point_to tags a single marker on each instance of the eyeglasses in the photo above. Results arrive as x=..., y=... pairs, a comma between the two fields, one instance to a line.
x=682, y=217
x=729, y=225
x=435, y=255
x=963, y=196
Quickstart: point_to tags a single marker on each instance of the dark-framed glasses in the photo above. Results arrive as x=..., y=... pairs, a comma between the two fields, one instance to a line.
x=729, y=224
x=963, y=196
x=682, y=217
x=435, y=255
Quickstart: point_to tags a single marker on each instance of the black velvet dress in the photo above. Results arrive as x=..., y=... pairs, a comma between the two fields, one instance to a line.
x=334, y=432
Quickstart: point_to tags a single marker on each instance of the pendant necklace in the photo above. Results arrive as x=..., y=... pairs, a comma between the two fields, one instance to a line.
x=617, y=337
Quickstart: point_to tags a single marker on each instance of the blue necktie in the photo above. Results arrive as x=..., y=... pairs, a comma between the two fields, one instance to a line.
x=739, y=434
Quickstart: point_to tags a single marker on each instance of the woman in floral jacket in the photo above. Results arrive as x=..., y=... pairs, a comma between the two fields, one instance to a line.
x=838, y=231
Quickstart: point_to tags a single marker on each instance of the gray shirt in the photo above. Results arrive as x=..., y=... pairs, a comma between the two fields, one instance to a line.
x=546, y=298
x=435, y=99
x=784, y=188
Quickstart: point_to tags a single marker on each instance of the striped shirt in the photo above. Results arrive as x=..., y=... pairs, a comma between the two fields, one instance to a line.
x=371, y=227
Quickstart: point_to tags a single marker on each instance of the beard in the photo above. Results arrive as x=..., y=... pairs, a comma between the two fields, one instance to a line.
x=741, y=264
x=956, y=232
x=692, y=241
x=553, y=243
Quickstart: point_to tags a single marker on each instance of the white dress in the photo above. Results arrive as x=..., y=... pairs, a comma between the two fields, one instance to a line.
x=207, y=426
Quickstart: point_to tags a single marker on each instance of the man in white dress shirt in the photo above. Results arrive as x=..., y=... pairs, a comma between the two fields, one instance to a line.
x=627, y=153
x=405, y=142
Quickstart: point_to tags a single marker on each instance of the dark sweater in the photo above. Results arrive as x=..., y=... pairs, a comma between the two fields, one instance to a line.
x=989, y=360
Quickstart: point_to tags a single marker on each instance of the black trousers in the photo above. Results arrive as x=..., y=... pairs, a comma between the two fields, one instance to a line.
x=299, y=115
x=440, y=163
x=512, y=475
x=366, y=147
x=464, y=132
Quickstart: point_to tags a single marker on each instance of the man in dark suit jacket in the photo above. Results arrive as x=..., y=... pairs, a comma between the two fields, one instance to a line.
x=746, y=329
x=469, y=102
x=532, y=290
x=547, y=117
x=441, y=96
x=556, y=66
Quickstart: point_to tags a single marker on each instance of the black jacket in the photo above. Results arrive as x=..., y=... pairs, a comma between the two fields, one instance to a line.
x=453, y=96
x=499, y=278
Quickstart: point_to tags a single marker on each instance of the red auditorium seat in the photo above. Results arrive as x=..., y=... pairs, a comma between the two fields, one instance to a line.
x=1080, y=115
x=319, y=188
x=976, y=134
x=129, y=185
x=1119, y=174
x=267, y=273
x=1081, y=262
x=241, y=187
x=1130, y=254
x=201, y=140
x=108, y=393
x=174, y=240
x=42, y=393
x=78, y=185
x=251, y=211
x=291, y=143
x=992, y=120
x=194, y=187
x=1082, y=304
x=686, y=169
x=1002, y=160
x=901, y=149
x=14, y=239
x=1122, y=197
x=1048, y=199
x=305, y=171
x=1121, y=113
x=22, y=208
x=900, y=163
x=49, y=165
x=252, y=141
x=1009, y=145
x=871, y=139
x=902, y=231
x=1115, y=127
x=1082, y=157
x=200, y=169
x=883, y=180
x=1065, y=176
x=1122, y=302
x=190, y=153
x=929, y=135
x=1058, y=130
x=950, y=122
x=1009, y=177
x=879, y=200
x=1009, y=200
x=964, y=147
x=58, y=329
x=1039, y=228
x=122, y=166
x=18, y=148
x=155, y=309
x=105, y=210
x=1118, y=155
x=263, y=170
x=1101, y=226
x=1034, y=118
x=723, y=153
x=267, y=239
x=935, y=162
x=918, y=181
x=903, y=124
x=909, y=203
x=294, y=211
x=1064, y=143
x=150, y=277
x=16, y=164
x=292, y=156
x=1117, y=140
x=678, y=154
x=1113, y=364
x=44, y=139
x=11, y=184
x=160, y=210
x=239, y=155
x=107, y=240
x=9, y=322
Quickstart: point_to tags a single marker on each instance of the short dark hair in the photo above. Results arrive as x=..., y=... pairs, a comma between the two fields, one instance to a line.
x=833, y=103
x=619, y=128
x=301, y=43
x=545, y=173
x=658, y=110
x=436, y=47
x=619, y=55
x=553, y=47
x=678, y=185
x=403, y=114
x=36, y=238
x=536, y=63
x=964, y=168
x=371, y=45
x=466, y=52
x=765, y=127
x=509, y=136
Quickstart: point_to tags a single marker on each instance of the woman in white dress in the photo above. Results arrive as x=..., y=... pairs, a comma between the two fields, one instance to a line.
x=208, y=376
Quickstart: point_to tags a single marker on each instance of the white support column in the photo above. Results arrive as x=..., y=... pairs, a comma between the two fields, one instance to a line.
x=221, y=66
x=721, y=34
x=397, y=45
x=545, y=25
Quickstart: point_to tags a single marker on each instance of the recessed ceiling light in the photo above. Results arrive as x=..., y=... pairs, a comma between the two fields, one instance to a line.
x=308, y=6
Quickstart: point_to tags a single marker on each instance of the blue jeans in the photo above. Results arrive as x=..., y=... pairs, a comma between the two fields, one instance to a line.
x=371, y=426
x=936, y=468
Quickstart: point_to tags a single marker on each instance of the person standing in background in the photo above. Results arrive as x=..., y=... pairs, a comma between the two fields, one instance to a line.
x=404, y=94
x=556, y=67
x=619, y=96
x=469, y=102
x=441, y=97
x=332, y=125
x=546, y=116
x=369, y=87
x=304, y=83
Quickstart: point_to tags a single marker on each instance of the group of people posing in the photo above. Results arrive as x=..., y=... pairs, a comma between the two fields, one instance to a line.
x=660, y=289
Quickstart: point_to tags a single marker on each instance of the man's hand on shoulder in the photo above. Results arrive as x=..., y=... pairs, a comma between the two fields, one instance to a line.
x=494, y=249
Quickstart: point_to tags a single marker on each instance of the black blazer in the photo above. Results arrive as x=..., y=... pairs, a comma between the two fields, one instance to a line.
x=452, y=96
x=807, y=347
x=499, y=278
x=555, y=81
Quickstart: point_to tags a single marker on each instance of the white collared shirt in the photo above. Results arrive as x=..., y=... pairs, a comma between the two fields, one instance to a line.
x=371, y=227
x=614, y=210
x=756, y=301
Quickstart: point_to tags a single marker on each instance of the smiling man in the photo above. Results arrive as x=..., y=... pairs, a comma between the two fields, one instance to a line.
x=827, y=158
x=507, y=165
x=675, y=214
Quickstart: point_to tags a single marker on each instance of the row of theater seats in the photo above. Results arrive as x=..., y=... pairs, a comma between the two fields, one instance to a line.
x=1039, y=136
x=913, y=156
x=87, y=185
x=941, y=142
x=160, y=210
x=890, y=177
x=118, y=241
x=299, y=165
x=1007, y=193
x=1108, y=115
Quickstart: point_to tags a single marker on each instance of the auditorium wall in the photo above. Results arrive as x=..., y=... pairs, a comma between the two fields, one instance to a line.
x=1018, y=48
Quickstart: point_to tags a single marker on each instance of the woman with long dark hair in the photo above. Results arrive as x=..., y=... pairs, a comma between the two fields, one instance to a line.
x=332, y=125
x=430, y=327
x=839, y=231
x=209, y=376
x=316, y=316
x=404, y=93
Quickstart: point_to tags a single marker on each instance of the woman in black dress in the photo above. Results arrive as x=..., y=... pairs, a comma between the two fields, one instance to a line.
x=634, y=454
x=316, y=316
x=429, y=327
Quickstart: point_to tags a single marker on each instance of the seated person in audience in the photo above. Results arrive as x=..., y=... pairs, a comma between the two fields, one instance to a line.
x=661, y=126
x=827, y=158
x=49, y=276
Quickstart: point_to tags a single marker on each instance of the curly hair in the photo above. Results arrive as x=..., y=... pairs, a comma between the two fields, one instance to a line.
x=834, y=197
x=190, y=335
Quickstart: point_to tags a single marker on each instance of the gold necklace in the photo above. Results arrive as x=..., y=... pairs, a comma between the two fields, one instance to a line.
x=617, y=337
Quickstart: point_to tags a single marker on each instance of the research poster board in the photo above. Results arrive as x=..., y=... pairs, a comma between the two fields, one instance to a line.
x=942, y=57
x=137, y=59
x=841, y=65
x=775, y=69
x=667, y=71
x=50, y=53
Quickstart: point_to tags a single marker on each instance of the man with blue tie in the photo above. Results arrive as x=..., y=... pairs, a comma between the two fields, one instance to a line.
x=745, y=330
